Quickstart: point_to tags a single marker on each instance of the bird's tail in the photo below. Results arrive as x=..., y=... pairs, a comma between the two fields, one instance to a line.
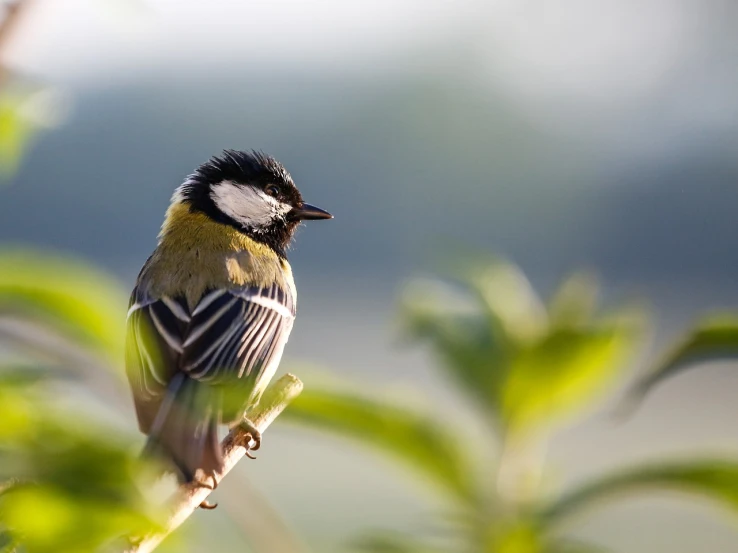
x=185, y=430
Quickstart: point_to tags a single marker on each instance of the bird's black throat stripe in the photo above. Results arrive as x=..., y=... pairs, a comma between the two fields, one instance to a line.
x=277, y=236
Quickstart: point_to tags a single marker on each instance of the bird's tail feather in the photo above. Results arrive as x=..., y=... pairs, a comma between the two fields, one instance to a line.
x=185, y=430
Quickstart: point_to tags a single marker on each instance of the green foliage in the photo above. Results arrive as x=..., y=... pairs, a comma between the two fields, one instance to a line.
x=530, y=365
x=68, y=296
x=425, y=444
x=381, y=542
x=714, y=338
x=561, y=373
x=25, y=109
x=572, y=546
x=15, y=132
x=69, y=483
x=714, y=479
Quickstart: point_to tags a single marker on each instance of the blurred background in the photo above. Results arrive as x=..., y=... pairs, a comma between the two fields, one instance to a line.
x=576, y=133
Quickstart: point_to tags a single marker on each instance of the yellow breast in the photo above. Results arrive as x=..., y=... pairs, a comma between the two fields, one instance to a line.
x=196, y=253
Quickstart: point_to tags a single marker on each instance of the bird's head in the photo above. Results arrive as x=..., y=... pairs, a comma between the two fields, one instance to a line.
x=252, y=192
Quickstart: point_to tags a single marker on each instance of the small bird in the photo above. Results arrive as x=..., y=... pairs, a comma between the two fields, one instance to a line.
x=213, y=307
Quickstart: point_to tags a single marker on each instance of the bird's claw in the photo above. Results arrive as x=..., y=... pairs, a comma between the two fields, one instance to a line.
x=206, y=504
x=252, y=435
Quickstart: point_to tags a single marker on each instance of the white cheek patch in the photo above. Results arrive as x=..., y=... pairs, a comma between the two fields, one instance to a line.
x=247, y=205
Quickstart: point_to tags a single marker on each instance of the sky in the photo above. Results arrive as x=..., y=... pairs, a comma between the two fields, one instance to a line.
x=600, y=48
x=668, y=67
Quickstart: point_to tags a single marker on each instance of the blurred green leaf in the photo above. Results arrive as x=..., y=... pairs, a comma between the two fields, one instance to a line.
x=427, y=445
x=74, y=484
x=509, y=299
x=22, y=375
x=7, y=543
x=45, y=519
x=69, y=295
x=475, y=330
x=15, y=132
x=519, y=537
x=473, y=347
x=528, y=367
x=390, y=542
x=25, y=109
x=70, y=484
x=572, y=546
x=715, y=338
x=574, y=304
x=18, y=416
x=564, y=372
x=716, y=480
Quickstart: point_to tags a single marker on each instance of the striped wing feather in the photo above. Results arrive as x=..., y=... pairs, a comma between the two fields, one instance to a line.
x=231, y=339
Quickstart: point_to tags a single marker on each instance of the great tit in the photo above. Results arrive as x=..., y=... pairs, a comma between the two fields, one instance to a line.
x=213, y=307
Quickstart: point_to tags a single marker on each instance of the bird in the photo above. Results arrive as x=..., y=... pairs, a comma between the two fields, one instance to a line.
x=212, y=308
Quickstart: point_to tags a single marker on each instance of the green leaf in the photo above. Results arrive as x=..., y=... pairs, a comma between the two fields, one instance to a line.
x=572, y=546
x=509, y=300
x=7, y=543
x=564, y=372
x=529, y=368
x=476, y=327
x=715, y=338
x=472, y=346
x=15, y=132
x=574, y=303
x=515, y=536
x=427, y=445
x=23, y=375
x=25, y=109
x=391, y=542
x=716, y=480
x=68, y=295
x=72, y=484
x=45, y=519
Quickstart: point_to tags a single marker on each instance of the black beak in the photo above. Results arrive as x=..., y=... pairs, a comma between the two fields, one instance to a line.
x=307, y=212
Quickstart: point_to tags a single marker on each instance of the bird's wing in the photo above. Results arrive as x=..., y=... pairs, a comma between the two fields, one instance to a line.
x=230, y=336
x=237, y=334
x=155, y=328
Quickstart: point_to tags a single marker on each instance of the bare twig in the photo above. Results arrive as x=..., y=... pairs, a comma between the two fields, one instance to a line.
x=14, y=11
x=189, y=496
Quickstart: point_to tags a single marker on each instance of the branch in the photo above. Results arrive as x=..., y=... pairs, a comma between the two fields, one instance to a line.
x=14, y=11
x=189, y=496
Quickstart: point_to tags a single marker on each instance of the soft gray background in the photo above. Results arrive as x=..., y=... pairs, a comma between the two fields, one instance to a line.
x=567, y=134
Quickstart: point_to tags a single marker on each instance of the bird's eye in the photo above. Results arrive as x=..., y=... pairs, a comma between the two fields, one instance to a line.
x=272, y=190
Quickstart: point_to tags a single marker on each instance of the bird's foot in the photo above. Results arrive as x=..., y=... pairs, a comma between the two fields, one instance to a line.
x=252, y=435
x=211, y=486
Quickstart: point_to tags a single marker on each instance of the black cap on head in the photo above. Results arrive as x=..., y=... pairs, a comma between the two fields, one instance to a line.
x=249, y=168
x=266, y=179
